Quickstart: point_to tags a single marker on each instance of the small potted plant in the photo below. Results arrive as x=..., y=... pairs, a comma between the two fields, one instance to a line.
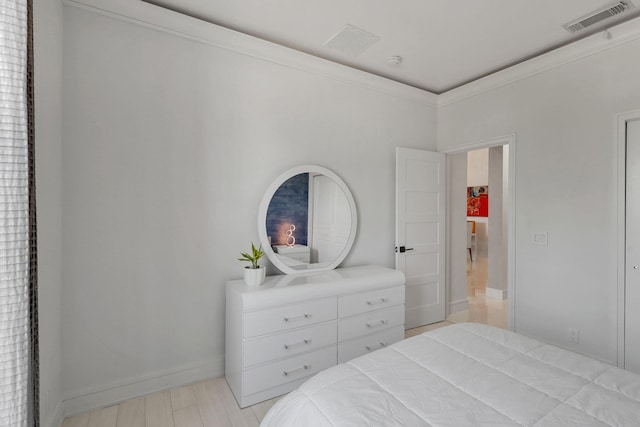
x=254, y=274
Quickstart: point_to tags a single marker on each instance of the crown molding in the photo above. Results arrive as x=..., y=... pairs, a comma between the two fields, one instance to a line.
x=141, y=13
x=599, y=42
x=158, y=18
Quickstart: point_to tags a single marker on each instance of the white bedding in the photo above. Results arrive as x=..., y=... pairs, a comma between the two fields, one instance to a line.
x=465, y=375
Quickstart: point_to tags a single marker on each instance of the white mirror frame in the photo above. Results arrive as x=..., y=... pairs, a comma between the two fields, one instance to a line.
x=264, y=206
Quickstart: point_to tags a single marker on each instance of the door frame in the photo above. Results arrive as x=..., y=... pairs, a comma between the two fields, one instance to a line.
x=509, y=140
x=620, y=133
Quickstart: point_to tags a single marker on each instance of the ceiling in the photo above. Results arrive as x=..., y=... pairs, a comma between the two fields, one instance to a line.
x=443, y=44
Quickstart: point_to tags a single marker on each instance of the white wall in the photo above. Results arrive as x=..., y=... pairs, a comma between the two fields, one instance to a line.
x=565, y=182
x=497, y=265
x=48, y=143
x=457, y=232
x=169, y=144
x=478, y=168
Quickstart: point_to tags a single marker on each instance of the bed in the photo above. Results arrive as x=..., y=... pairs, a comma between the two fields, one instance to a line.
x=464, y=375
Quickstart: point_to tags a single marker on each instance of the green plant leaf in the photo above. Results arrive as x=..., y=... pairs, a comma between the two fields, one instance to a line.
x=256, y=254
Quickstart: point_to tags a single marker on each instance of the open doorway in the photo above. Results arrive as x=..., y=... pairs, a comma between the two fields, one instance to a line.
x=486, y=202
x=480, y=285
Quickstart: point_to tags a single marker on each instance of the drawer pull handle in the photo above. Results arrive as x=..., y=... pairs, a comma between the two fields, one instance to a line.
x=379, y=301
x=301, y=317
x=303, y=342
x=376, y=324
x=375, y=347
x=303, y=368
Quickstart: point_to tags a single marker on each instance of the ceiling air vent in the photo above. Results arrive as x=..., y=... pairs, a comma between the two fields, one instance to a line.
x=351, y=40
x=598, y=15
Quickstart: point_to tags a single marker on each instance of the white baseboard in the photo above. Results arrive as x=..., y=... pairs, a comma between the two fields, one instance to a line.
x=459, y=305
x=56, y=418
x=115, y=393
x=496, y=293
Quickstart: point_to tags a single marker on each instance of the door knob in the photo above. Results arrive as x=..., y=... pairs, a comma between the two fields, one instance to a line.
x=403, y=249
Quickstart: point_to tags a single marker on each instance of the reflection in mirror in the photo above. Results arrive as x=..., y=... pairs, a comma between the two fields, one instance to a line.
x=309, y=222
x=287, y=221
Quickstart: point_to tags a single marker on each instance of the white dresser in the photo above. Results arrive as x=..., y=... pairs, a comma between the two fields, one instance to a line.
x=300, y=253
x=291, y=327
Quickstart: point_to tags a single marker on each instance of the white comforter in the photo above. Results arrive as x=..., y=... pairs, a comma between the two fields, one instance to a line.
x=465, y=375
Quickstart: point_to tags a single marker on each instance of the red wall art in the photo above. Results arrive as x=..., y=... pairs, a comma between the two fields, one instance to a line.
x=478, y=201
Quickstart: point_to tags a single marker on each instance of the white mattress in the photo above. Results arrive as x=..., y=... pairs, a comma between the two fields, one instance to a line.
x=465, y=375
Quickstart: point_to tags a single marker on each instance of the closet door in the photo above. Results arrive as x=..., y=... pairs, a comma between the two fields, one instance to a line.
x=632, y=269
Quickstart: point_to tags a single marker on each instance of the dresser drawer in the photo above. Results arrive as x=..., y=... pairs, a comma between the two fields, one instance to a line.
x=288, y=317
x=351, y=349
x=350, y=305
x=370, y=322
x=287, y=370
x=271, y=347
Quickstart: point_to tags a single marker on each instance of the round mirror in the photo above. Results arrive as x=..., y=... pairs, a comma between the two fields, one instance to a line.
x=307, y=220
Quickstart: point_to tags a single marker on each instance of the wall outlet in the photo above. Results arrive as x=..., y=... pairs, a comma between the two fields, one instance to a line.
x=573, y=335
x=540, y=238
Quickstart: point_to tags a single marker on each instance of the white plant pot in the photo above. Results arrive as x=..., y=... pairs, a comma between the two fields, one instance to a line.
x=254, y=276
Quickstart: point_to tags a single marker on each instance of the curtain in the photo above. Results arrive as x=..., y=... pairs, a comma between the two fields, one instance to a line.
x=18, y=332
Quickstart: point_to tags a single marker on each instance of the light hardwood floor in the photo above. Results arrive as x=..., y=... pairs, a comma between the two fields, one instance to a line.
x=210, y=403
x=207, y=403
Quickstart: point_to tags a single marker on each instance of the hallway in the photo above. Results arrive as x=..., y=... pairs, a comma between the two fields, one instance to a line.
x=481, y=309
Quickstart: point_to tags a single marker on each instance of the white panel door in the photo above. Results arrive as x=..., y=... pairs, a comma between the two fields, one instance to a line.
x=632, y=279
x=420, y=233
x=331, y=220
